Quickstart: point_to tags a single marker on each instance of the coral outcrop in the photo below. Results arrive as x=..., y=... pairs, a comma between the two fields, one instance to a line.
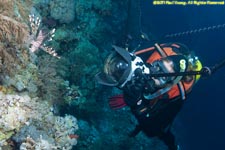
x=13, y=27
x=26, y=116
x=22, y=116
x=40, y=93
x=63, y=10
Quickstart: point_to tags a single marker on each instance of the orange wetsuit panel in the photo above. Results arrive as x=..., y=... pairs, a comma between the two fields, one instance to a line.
x=155, y=56
x=174, y=91
x=188, y=85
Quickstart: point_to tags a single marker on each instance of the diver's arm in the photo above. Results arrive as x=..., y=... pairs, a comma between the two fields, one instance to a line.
x=135, y=88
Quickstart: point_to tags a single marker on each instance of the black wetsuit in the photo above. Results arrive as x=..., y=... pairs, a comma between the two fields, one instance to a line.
x=155, y=121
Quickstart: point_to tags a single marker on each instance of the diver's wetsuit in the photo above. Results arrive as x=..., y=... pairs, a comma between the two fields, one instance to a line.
x=154, y=100
x=156, y=115
x=155, y=121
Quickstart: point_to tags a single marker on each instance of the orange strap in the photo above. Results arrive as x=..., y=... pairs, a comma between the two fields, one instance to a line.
x=156, y=56
x=144, y=50
x=153, y=48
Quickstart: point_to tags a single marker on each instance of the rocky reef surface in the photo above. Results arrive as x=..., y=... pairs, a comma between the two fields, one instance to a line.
x=50, y=51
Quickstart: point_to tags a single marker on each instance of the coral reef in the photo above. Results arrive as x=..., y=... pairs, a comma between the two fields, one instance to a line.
x=16, y=67
x=63, y=10
x=31, y=114
x=13, y=28
x=24, y=112
x=35, y=86
x=50, y=81
x=30, y=144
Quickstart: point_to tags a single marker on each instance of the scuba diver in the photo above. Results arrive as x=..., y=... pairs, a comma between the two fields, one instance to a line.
x=155, y=83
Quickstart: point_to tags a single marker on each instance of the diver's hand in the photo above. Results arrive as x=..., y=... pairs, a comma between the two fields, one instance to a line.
x=140, y=84
x=150, y=86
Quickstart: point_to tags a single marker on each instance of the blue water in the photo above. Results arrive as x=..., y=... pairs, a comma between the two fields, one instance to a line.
x=201, y=123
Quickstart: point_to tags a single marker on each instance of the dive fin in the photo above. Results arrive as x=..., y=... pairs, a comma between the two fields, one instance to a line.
x=117, y=102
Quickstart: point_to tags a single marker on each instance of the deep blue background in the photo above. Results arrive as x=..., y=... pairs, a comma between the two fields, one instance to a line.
x=201, y=123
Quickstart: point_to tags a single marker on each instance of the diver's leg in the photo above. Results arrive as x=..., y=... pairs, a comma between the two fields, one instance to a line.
x=135, y=131
x=169, y=139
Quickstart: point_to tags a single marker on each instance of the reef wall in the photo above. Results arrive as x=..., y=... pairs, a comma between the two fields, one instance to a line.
x=27, y=117
x=50, y=51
